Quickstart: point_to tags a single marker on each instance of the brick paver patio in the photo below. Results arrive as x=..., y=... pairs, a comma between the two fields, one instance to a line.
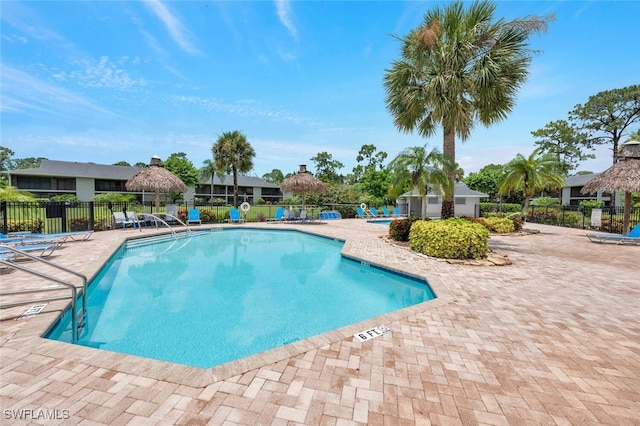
x=553, y=338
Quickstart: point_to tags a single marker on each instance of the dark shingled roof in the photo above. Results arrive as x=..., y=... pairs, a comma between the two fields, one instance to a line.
x=103, y=171
x=579, y=180
x=75, y=169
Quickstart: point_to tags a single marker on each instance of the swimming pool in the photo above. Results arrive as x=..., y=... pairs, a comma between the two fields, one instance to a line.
x=222, y=296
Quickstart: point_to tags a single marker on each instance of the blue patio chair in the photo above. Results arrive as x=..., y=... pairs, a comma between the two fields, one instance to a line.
x=633, y=237
x=44, y=249
x=234, y=216
x=385, y=212
x=374, y=212
x=194, y=217
x=278, y=216
x=396, y=212
x=361, y=213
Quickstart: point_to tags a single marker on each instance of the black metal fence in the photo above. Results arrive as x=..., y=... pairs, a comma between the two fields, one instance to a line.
x=607, y=219
x=51, y=217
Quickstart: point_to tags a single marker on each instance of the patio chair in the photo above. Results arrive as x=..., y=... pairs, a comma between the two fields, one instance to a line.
x=396, y=212
x=633, y=237
x=194, y=217
x=133, y=216
x=44, y=249
x=361, y=213
x=374, y=212
x=71, y=235
x=171, y=213
x=234, y=216
x=385, y=212
x=23, y=239
x=304, y=217
x=120, y=219
x=277, y=217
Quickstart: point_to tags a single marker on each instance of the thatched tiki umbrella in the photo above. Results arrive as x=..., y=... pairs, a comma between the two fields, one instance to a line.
x=302, y=183
x=155, y=178
x=622, y=176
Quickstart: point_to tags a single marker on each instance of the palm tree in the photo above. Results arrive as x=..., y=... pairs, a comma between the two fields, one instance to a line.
x=232, y=152
x=530, y=175
x=418, y=168
x=208, y=170
x=459, y=67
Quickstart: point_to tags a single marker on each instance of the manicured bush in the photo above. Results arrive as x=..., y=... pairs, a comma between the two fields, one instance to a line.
x=79, y=223
x=500, y=225
x=479, y=220
x=517, y=224
x=399, y=228
x=207, y=216
x=449, y=239
x=29, y=225
x=498, y=207
x=70, y=198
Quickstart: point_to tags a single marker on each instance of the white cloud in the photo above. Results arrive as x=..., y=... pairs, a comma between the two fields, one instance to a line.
x=102, y=73
x=174, y=26
x=283, y=7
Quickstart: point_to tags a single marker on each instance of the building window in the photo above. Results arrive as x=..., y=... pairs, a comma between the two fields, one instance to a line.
x=110, y=185
x=65, y=184
x=460, y=200
x=432, y=200
x=33, y=182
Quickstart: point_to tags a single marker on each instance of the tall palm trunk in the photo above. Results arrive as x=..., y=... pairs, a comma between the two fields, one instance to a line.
x=235, y=187
x=449, y=149
x=213, y=176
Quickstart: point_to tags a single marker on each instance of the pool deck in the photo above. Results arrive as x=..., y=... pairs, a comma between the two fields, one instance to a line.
x=552, y=339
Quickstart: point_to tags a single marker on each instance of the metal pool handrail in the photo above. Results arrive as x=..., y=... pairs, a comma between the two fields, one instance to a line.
x=74, y=291
x=159, y=219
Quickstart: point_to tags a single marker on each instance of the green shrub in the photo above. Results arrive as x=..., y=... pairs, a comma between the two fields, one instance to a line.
x=571, y=219
x=500, y=225
x=114, y=197
x=591, y=204
x=399, y=228
x=262, y=217
x=517, y=224
x=479, y=220
x=30, y=225
x=449, y=239
x=70, y=198
x=207, y=216
x=545, y=201
x=499, y=207
x=79, y=223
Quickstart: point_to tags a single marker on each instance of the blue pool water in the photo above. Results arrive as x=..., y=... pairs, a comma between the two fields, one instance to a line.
x=220, y=296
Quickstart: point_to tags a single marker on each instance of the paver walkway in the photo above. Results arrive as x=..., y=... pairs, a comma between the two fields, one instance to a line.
x=552, y=339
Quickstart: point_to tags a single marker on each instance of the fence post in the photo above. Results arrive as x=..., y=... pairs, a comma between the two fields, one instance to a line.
x=91, y=218
x=5, y=223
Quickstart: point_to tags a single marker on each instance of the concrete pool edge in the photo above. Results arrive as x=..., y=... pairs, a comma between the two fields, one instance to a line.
x=29, y=338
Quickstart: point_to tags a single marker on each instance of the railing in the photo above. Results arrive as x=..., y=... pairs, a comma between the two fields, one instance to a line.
x=581, y=217
x=75, y=324
x=54, y=217
x=157, y=219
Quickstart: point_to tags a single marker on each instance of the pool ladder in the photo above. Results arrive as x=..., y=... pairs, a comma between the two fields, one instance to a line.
x=77, y=320
x=157, y=219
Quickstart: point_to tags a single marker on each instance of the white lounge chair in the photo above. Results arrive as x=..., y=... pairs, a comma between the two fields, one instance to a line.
x=120, y=219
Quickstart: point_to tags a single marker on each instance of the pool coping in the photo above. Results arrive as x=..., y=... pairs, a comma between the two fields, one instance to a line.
x=30, y=338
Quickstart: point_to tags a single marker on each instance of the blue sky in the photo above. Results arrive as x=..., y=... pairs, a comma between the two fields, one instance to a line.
x=104, y=81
